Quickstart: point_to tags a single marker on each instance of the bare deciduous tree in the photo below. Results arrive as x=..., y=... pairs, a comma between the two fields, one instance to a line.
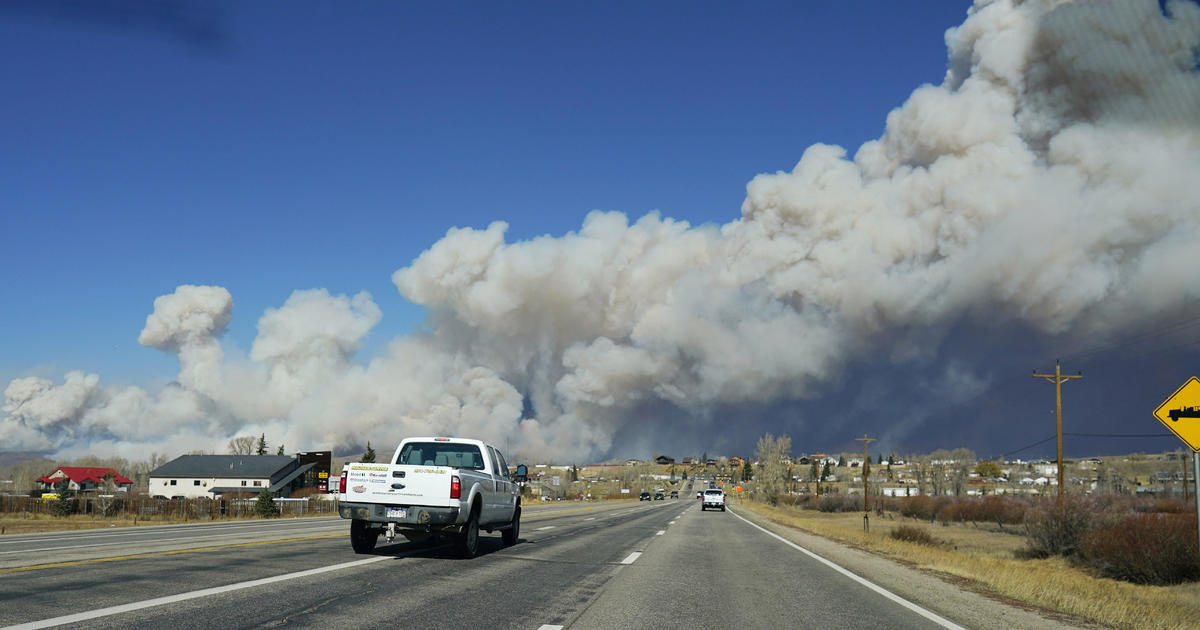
x=242, y=445
x=773, y=476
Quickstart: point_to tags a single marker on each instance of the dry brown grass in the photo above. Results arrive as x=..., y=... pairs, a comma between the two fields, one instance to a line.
x=986, y=557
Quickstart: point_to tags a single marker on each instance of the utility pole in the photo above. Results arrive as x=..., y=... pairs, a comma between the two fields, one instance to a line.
x=1058, y=378
x=866, y=496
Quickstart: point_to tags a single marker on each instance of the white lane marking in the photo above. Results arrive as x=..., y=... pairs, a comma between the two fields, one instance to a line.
x=590, y=518
x=171, y=599
x=544, y=528
x=547, y=626
x=154, y=540
x=671, y=523
x=631, y=557
x=924, y=612
x=17, y=539
x=661, y=532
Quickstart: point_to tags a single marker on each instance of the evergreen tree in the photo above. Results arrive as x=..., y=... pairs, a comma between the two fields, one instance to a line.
x=747, y=471
x=262, y=445
x=280, y=450
x=814, y=471
x=879, y=460
x=369, y=455
x=64, y=505
x=826, y=472
x=265, y=506
x=841, y=461
x=685, y=475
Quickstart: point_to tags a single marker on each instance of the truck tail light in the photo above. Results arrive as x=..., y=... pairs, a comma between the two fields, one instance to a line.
x=342, y=483
x=455, y=487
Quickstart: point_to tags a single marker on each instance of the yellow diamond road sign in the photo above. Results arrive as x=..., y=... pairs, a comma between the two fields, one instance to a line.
x=1181, y=413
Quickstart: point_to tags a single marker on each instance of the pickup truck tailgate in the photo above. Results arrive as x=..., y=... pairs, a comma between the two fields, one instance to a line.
x=399, y=484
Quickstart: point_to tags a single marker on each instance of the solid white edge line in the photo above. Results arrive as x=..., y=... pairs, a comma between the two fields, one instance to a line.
x=628, y=559
x=547, y=626
x=924, y=612
x=170, y=599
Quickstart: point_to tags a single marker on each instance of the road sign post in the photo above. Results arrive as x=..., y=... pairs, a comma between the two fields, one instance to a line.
x=1180, y=413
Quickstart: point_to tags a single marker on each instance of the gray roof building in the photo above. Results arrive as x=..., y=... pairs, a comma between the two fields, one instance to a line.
x=197, y=475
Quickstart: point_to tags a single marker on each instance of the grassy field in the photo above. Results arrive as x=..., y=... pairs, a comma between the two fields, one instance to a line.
x=985, y=556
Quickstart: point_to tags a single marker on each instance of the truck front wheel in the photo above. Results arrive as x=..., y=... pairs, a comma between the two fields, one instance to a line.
x=362, y=537
x=467, y=541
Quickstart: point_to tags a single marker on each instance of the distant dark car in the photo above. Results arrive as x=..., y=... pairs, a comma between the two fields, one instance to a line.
x=674, y=494
x=645, y=496
x=658, y=496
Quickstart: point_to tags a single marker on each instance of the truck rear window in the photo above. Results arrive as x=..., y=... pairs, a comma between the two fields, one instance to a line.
x=441, y=454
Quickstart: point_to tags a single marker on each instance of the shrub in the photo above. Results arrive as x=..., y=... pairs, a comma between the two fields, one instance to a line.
x=920, y=507
x=908, y=533
x=839, y=503
x=1144, y=549
x=1055, y=526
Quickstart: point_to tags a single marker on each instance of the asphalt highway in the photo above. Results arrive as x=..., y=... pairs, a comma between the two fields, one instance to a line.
x=660, y=564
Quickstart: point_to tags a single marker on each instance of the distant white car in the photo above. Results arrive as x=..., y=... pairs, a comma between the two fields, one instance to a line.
x=713, y=498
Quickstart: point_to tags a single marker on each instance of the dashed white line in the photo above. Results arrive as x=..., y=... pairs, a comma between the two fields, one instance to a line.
x=171, y=599
x=661, y=532
x=631, y=557
x=590, y=518
x=547, y=626
x=544, y=528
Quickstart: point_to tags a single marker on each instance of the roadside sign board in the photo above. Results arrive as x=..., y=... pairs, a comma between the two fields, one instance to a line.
x=1180, y=413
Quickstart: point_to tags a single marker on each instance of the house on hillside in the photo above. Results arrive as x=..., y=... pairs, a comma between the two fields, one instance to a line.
x=85, y=479
x=663, y=460
x=736, y=462
x=192, y=476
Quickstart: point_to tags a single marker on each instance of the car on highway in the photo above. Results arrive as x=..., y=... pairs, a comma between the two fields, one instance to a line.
x=658, y=496
x=674, y=494
x=700, y=494
x=645, y=496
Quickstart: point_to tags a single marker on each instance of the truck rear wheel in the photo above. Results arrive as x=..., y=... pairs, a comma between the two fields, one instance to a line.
x=510, y=535
x=362, y=537
x=467, y=541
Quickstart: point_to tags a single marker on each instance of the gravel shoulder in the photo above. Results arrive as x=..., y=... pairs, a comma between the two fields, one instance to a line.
x=949, y=596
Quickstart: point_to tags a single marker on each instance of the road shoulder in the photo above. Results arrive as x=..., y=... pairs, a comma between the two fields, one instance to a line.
x=955, y=599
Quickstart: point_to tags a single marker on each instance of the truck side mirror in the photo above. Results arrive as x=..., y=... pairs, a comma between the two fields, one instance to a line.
x=522, y=474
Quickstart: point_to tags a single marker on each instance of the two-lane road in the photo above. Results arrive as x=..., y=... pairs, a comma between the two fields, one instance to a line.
x=661, y=564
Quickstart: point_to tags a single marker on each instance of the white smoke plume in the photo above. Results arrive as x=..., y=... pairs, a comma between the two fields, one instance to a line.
x=1050, y=181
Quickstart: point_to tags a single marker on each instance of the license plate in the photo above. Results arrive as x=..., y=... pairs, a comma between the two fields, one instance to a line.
x=397, y=512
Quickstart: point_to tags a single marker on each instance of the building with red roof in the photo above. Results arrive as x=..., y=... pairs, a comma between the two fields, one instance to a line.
x=83, y=479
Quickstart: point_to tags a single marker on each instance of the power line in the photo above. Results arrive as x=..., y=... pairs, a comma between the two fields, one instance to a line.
x=1119, y=435
x=1161, y=331
x=1025, y=448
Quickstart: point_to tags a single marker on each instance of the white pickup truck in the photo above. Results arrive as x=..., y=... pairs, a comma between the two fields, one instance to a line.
x=713, y=498
x=433, y=486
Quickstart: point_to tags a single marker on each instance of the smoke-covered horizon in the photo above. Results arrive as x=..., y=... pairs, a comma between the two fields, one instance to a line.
x=1046, y=189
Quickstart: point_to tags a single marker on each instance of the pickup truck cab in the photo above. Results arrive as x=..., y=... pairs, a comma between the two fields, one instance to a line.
x=434, y=486
x=713, y=498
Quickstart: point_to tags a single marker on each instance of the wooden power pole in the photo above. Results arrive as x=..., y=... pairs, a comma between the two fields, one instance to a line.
x=866, y=495
x=1058, y=378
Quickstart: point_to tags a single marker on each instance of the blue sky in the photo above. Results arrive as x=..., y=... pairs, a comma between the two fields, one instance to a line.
x=328, y=146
